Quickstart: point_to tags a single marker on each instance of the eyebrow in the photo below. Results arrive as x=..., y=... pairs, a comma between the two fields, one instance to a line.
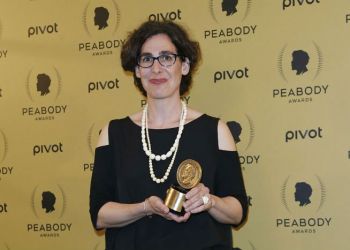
x=163, y=52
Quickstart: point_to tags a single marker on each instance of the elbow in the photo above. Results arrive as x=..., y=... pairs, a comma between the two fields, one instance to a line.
x=99, y=224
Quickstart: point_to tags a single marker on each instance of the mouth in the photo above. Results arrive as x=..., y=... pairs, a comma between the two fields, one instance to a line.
x=158, y=81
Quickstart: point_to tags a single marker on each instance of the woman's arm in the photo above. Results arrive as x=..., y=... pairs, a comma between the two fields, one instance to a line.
x=226, y=209
x=107, y=213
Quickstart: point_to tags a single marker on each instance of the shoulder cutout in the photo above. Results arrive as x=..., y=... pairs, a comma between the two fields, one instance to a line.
x=103, y=138
x=225, y=138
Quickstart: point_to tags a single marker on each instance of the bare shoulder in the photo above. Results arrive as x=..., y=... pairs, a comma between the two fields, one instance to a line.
x=225, y=138
x=103, y=138
x=192, y=114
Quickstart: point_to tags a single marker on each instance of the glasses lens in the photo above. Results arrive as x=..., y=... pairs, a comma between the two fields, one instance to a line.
x=146, y=61
x=167, y=60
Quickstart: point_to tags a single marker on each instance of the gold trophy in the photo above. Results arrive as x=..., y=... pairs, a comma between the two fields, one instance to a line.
x=188, y=175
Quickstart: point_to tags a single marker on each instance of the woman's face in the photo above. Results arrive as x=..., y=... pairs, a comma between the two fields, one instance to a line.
x=161, y=82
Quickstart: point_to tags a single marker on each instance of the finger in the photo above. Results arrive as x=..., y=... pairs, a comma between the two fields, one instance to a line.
x=199, y=209
x=193, y=203
x=179, y=219
x=158, y=206
x=162, y=209
x=194, y=191
x=199, y=189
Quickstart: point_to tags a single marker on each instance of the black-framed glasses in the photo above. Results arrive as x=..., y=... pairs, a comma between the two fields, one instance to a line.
x=166, y=60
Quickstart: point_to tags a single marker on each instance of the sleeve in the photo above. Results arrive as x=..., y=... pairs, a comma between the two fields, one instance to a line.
x=229, y=180
x=103, y=183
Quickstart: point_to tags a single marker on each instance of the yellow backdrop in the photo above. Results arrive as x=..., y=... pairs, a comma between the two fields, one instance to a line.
x=277, y=69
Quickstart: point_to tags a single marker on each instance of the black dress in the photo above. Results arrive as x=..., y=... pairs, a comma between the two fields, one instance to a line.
x=121, y=174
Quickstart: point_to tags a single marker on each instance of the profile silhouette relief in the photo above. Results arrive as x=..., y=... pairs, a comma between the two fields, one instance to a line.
x=188, y=174
x=48, y=201
x=235, y=129
x=303, y=192
x=229, y=6
x=43, y=84
x=101, y=17
x=300, y=59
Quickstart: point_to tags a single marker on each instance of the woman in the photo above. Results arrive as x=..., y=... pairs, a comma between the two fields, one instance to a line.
x=137, y=157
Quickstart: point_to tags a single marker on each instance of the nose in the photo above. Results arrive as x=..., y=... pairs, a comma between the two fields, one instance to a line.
x=156, y=67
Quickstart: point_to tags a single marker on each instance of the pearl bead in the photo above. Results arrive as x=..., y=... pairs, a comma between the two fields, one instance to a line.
x=146, y=144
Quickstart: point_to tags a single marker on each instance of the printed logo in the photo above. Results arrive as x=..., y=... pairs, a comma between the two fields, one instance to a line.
x=347, y=18
x=250, y=200
x=94, y=87
x=101, y=21
x=48, y=205
x=300, y=66
x=166, y=16
x=43, y=86
x=243, y=133
x=349, y=154
x=5, y=171
x=3, y=51
x=303, y=134
x=232, y=74
x=300, y=61
x=101, y=17
x=230, y=14
x=42, y=29
x=3, y=208
x=92, y=138
x=3, y=146
x=294, y=3
x=47, y=149
x=305, y=197
x=0, y=92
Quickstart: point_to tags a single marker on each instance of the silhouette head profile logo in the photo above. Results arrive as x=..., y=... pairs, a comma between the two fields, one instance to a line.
x=299, y=61
x=229, y=6
x=235, y=129
x=48, y=201
x=43, y=84
x=303, y=192
x=101, y=17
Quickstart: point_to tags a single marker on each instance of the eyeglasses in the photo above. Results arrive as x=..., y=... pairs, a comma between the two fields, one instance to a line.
x=166, y=60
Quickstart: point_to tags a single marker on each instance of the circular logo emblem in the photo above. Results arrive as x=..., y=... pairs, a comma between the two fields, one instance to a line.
x=189, y=174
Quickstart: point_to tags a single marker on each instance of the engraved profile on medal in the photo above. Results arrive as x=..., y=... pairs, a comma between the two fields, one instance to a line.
x=189, y=174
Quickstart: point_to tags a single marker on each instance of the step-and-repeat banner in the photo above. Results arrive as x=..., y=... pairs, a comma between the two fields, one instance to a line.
x=276, y=71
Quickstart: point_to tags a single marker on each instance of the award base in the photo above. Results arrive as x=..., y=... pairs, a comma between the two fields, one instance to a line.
x=175, y=198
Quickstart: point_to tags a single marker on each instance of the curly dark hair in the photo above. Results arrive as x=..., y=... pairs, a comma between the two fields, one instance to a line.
x=185, y=47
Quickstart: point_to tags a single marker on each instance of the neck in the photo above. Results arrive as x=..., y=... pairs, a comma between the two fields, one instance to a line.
x=163, y=113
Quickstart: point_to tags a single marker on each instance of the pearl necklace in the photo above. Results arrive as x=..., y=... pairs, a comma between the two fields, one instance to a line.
x=146, y=144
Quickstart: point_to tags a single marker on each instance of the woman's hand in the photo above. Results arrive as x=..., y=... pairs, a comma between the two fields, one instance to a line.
x=198, y=199
x=154, y=205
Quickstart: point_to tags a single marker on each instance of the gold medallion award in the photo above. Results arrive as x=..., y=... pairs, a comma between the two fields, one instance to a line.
x=189, y=174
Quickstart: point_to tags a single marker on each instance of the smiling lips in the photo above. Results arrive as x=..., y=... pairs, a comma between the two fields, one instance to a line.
x=158, y=81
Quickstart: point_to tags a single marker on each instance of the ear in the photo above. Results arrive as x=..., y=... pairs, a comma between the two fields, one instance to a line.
x=185, y=66
x=137, y=71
